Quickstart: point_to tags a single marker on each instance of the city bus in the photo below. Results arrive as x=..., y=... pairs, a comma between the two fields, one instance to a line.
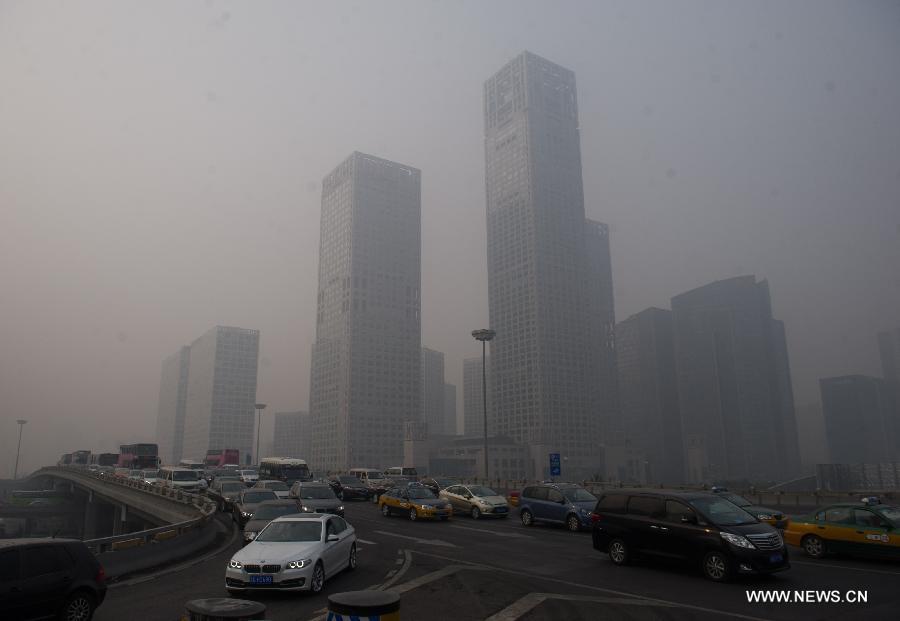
x=139, y=456
x=218, y=458
x=284, y=469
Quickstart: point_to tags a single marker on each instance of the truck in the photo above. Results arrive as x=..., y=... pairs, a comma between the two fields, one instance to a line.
x=218, y=458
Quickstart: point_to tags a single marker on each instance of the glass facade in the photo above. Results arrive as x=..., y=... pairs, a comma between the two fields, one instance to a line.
x=172, y=402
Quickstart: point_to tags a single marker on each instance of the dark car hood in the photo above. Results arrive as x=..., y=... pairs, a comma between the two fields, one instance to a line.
x=757, y=528
x=321, y=503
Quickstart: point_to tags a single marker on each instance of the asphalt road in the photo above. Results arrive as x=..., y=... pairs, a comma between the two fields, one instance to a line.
x=500, y=570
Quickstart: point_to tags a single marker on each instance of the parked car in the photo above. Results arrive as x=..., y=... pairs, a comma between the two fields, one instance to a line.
x=315, y=497
x=763, y=514
x=414, y=501
x=224, y=492
x=245, y=504
x=475, y=500
x=266, y=511
x=348, y=487
x=293, y=553
x=279, y=487
x=699, y=528
x=557, y=503
x=49, y=578
x=436, y=484
x=851, y=528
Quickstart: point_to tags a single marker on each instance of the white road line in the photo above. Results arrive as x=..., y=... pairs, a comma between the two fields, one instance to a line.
x=407, y=562
x=492, y=532
x=430, y=542
x=366, y=542
x=415, y=583
x=592, y=588
x=531, y=601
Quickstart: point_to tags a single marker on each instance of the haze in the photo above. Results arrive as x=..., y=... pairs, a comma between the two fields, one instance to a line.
x=161, y=162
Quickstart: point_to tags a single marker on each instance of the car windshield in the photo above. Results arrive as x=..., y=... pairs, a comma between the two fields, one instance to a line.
x=231, y=486
x=259, y=496
x=291, y=531
x=316, y=493
x=477, y=490
x=276, y=485
x=420, y=493
x=738, y=500
x=184, y=475
x=274, y=511
x=578, y=495
x=722, y=512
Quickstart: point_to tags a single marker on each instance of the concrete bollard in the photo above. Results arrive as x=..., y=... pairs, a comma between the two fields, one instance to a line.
x=364, y=606
x=222, y=609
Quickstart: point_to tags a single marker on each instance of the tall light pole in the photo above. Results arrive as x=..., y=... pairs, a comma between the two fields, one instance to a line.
x=21, y=423
x=259, y=408
x=484, y=336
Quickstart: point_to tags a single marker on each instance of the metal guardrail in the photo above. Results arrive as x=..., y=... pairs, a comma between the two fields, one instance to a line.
x=205, y=507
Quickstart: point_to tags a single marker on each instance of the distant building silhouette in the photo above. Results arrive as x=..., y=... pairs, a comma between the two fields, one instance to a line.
x=172, y=402
x=433, y=398
x=366, y=375
x=292, y=436
x=862, y=422
x=648, y=392
x=734, y=384
x=450, y=409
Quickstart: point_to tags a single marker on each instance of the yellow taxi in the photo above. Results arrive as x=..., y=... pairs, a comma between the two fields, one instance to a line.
x=414, y=501
x=864, y=529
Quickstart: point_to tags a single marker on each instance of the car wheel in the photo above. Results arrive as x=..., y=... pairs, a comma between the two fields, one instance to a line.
x=413, y=516
x=716, y=566
x=317, y=582
x=476, y=513
x=813, y=546
x=573, y=523
x=79, y=607
x=385, y=511
x=527, y=518
x=619, y=553
x=351, y=564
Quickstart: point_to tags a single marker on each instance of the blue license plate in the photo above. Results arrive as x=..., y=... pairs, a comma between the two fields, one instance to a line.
x=260, y=579
x=500, y=510
x=776, y=558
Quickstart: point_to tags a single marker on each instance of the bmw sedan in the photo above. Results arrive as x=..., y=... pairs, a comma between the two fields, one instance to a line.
x=293, y=553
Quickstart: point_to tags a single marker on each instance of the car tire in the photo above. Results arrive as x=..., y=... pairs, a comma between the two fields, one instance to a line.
x=317, y=581
x=573, y=523
x=385, y=510
x=413, y=515
x=527, y=518
x=619, y=552
x=352, y=562
x=813, y=546
x=716, y=566
x=476, y=513
x=78, y=607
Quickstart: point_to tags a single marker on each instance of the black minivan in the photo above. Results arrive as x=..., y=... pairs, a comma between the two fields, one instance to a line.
x=49, y=579
x=697, y=527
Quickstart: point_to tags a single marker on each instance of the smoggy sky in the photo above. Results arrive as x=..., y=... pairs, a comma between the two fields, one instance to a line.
x=161, y=167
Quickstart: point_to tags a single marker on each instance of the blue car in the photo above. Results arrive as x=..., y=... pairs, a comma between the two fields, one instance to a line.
x=557, y=503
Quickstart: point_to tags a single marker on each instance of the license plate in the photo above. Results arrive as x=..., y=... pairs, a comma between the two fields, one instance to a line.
x=500, y=510
x=260, y=579
x=776, y=558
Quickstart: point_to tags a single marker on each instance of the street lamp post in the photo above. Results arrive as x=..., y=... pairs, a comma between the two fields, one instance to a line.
x=259, y=408
x=484, y=336
x=21, y=423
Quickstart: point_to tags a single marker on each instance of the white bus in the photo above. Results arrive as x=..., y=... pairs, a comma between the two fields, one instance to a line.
x=285, y=469
x=191, y=464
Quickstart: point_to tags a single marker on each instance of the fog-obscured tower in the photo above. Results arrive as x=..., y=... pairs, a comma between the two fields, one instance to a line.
x=366, y=375
x=544, y=361
x=450, y=426
x=433, y=391
x=889, y=351
x=861, y=419
x=291, y=435
x=172, y=401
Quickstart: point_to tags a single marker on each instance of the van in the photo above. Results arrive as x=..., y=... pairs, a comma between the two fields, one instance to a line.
x=185, y=479
x=367, y=475
x=698, y=528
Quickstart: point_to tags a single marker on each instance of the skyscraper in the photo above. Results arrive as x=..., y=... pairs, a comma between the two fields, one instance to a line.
x=221, y=393
x=366, y=375
x=450, y=426
x=172, y=401
x=433, y=391
x=473, y=397
x=291, y=435
x=541, y=279
x=861, y=419
x=733, y=384
x=648, y=391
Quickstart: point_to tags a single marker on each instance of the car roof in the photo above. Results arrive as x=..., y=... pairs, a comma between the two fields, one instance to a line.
x=304, y=517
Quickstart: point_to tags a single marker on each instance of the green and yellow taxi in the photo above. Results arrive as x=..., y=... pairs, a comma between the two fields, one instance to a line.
x=863, y=529
x=414, y=501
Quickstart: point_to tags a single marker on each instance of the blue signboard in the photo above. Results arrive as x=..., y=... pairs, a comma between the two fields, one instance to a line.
x=555, y=470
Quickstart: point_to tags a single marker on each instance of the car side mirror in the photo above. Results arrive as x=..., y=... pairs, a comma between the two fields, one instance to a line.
x=330, y=538
x=688, y=519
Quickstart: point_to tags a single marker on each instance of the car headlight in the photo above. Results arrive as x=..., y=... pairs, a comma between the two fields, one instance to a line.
x=306, y=509
x=738, y=541
x=299, y=564
x=763, y=516
x=427, y=507
x=246, y=514
x=341, y=508
x=233, y=564
x=250, y=535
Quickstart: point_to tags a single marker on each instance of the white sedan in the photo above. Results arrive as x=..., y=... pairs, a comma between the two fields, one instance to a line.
x=293, y=553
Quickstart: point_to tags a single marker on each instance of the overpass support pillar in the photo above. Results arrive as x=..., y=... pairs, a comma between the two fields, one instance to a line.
x=91, y=525
x=120, y=519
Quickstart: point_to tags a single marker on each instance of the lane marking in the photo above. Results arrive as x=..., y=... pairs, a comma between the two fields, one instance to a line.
x=430, y=542
x=366, y=542
x=531, y=601
x=406, y=564
x=430, y=577
x=492, y=532
x=589, y=587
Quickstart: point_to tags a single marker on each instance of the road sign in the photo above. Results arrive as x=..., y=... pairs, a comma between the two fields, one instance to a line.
x=555, y=469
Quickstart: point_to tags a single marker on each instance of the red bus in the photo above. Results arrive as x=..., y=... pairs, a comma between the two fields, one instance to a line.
x=216, y=458
x=139, y=456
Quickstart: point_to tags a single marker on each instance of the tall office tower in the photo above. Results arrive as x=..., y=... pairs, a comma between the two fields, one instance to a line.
x=889, y=349
x=433, y=391
x=172, y=400
x=648, y=392
x=366, y=375
x=541, y=305
x=733, y=376
x=473, y=397
x=861, y=419
x=450, y=427
x=291, y=435
x=221, y=393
